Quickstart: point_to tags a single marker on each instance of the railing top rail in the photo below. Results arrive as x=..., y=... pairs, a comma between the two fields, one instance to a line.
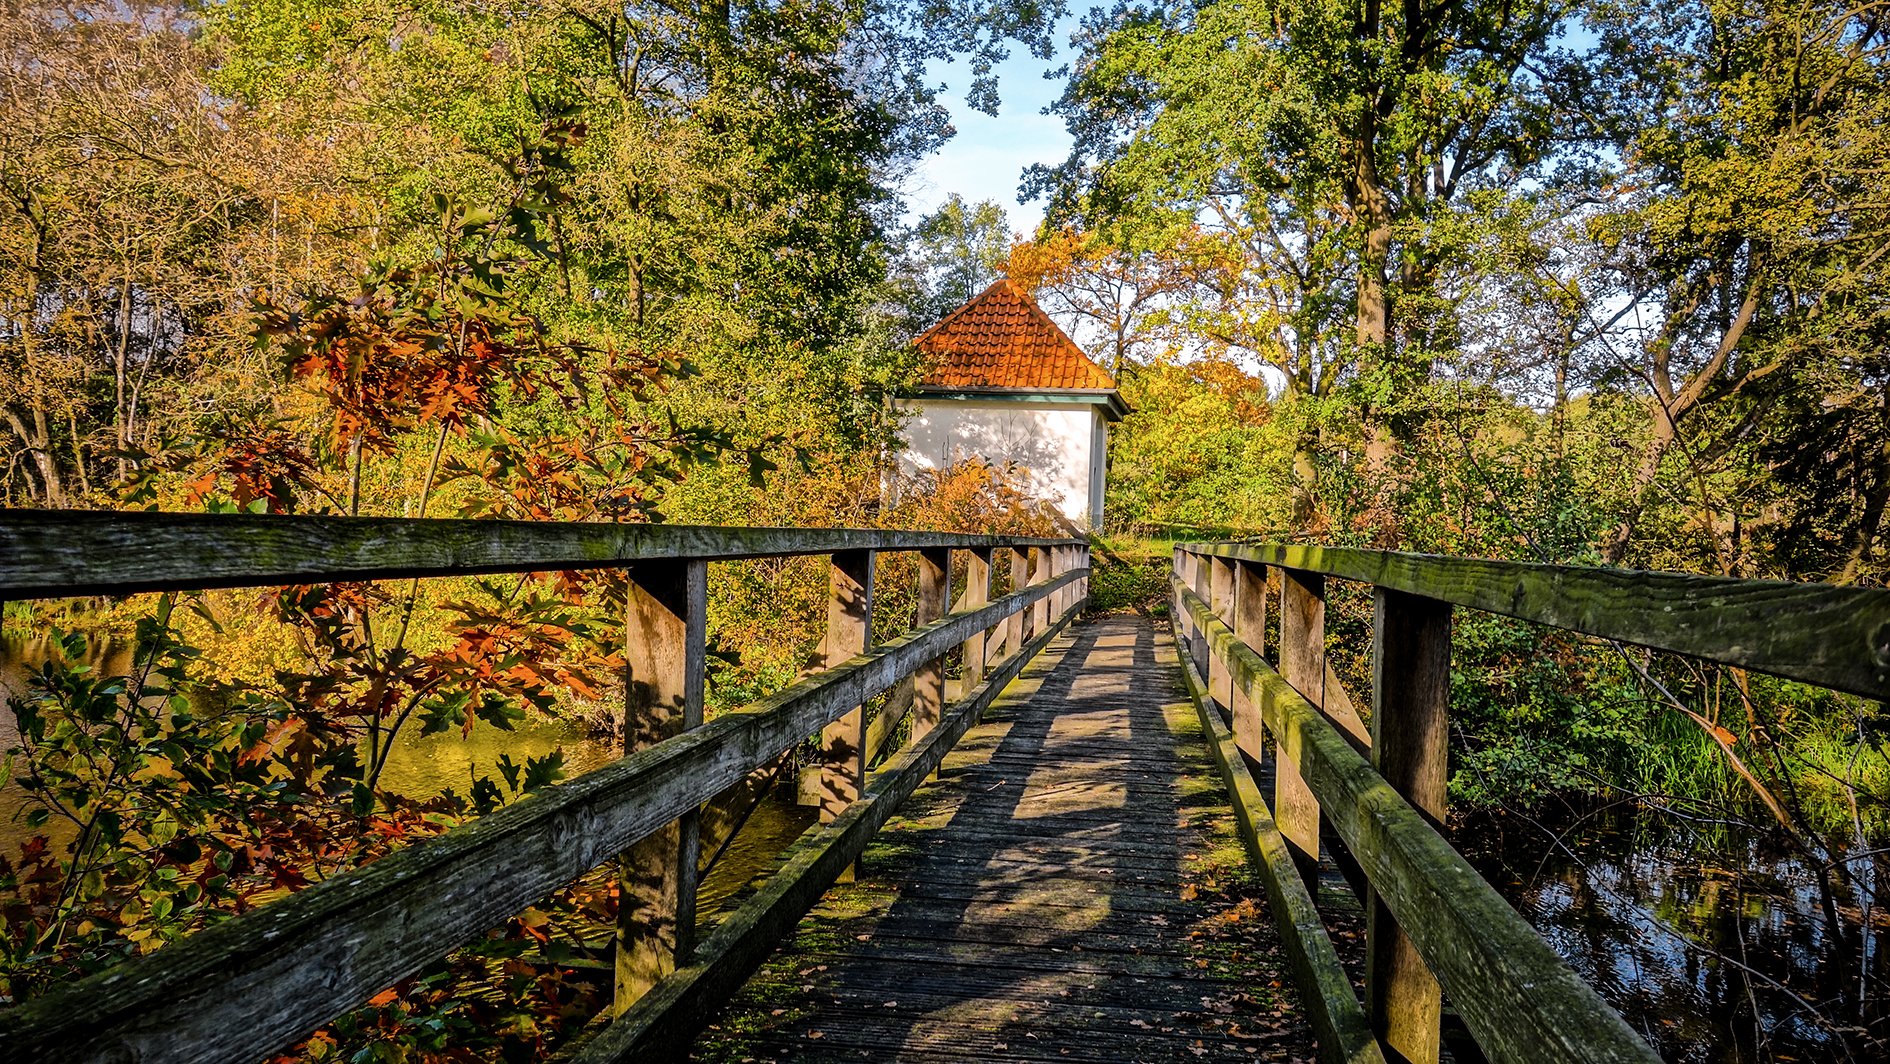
x=1835, y=637
x=55, y=553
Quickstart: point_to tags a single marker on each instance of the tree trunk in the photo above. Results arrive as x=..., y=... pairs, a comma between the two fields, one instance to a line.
x=35, y=434
x=1665, y=431
x=121, y=352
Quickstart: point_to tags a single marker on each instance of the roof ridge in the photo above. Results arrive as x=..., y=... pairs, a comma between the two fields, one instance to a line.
x=987, y=342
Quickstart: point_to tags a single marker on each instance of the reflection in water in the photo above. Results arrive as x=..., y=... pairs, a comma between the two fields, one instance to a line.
x=1717, y=953
x=773, y=826
x=422, y=766
x=20, y=659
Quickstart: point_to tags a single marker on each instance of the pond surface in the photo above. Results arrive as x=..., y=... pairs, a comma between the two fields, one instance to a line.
x=1714, y=943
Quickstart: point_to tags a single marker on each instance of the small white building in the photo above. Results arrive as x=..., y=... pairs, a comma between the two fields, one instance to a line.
x=1005, y=385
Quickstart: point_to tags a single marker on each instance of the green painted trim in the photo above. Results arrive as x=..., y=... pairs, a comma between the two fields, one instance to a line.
x=1114, y=409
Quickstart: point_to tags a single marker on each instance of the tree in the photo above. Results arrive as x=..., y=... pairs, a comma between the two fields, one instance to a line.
x=1743, y=242
x=1327, y=150
x=951, y=255
x=135, y=211
x=1117, y=300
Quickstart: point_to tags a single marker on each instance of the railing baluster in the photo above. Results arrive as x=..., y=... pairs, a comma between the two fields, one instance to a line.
x=1201, y=584
x=1410, y=749
x=928, y=683
x=1059, y=564
x=1303, y=664
x=1250, y=624
x=663, y=674
x=1084, y=560
x=1040, y=610
x=1220, y=599
x=1020, y=578
x=1072, y=559
x=977, y=593
x=849, y=631
x=1179, y=616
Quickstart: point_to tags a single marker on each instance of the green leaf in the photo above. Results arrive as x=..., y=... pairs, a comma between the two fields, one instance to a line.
x=485, y=796
x=544, y=770
x=509, y=769
x=498, y=711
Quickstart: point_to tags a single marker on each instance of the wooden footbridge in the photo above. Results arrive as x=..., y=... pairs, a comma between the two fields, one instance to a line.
x=1036, y=909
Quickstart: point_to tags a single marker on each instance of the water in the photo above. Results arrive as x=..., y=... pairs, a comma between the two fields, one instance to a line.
x=19, y=659
x=422, y=766
x=775, y=823
x=1714, y=946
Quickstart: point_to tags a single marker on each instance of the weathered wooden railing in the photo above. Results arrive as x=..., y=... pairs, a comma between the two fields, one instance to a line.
x=246, y=987
x=1434, y=926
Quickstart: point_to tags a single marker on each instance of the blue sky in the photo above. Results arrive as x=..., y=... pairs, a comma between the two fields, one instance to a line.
x=986, y=160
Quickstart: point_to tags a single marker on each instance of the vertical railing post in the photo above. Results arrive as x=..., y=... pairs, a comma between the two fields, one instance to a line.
x=1083, y=560
x=928, y=681
x=1020, y=579
x=1059, y=564
x=664, y=657
x=1220, y=599
x=1039, y=574
x=1302, y=664
x=1250, y=626
x=977, y=593
x=849, y=631
x=1199, y=582
x=1072, y=560
x=1410, y=749
x=1184, y=623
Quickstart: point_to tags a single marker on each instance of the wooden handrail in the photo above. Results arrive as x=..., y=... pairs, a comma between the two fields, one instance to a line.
x=243, y=988
x=1835, y=637
x=1517, y=996
x=54, y=553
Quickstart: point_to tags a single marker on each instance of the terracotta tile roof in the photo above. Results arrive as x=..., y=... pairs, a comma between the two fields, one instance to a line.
x=1002, y=339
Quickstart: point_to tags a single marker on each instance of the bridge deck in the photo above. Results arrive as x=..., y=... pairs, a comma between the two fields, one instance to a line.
x=1069, y=890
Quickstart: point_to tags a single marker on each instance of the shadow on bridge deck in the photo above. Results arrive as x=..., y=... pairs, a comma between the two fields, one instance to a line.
x=1069, y=890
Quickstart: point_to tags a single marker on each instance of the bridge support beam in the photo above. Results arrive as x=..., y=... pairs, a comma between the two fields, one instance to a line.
x=664, y=659
x=1303, y=664
x=1410, y=747
x=849, y=631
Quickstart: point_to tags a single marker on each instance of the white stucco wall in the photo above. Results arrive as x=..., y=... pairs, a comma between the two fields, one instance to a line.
x=1059, y=448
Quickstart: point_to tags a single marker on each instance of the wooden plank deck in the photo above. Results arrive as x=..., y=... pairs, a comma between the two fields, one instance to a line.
x=1069, y=890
